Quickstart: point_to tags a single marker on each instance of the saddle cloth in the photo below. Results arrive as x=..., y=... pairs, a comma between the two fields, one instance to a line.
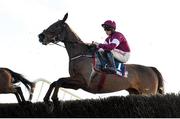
x=120, y=67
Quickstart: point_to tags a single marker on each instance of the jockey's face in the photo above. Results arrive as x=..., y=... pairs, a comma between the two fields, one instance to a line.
x=108, y=32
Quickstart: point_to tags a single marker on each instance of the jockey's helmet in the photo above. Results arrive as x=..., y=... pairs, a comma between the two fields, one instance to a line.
x=109, y=23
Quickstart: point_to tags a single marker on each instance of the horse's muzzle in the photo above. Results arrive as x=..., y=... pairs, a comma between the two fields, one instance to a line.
x=41, y=37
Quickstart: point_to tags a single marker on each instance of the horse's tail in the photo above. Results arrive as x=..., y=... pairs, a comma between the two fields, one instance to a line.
x=160, y=81
x=18, y=77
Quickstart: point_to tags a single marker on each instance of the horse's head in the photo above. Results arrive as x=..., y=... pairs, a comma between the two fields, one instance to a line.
x=54, y=33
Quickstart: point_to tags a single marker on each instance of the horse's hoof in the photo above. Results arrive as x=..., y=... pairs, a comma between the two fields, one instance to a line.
x=46, y=100
x=58, y=105
x=28, y=102
x=55, y=100
x=23, y=103
x=49, y=106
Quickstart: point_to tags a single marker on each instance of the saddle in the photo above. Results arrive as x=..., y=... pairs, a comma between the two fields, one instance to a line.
x=120, y=67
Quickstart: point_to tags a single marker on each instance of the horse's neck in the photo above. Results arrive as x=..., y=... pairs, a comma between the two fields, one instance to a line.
x=74, y=45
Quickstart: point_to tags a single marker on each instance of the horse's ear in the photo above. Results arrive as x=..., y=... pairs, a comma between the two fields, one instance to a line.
x=65, y=17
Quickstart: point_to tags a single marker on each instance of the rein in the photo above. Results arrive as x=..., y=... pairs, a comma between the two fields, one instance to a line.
x=75, y=57
x=59, y=45
x=78, y=56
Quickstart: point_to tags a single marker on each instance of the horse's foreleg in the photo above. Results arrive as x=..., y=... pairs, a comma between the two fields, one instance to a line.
x=19, y=91
x=54, y=96
x=17, y=96
x=58, y=84
x=52, y=85
x=69, y=82
x=32, y=91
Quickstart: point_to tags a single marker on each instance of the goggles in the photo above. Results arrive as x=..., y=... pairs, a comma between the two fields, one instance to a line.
x=107, y=28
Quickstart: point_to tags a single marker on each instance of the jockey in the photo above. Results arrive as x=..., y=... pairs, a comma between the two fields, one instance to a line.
x=115, y=46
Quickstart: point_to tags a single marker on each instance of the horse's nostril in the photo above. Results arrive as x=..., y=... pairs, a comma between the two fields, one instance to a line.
x=41, y=37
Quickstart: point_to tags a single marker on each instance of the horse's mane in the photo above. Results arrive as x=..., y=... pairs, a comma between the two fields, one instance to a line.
x=90, y=47
x=78, y=38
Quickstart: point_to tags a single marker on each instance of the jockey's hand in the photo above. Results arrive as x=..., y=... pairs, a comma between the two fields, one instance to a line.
x=95, y=43
x=89, y=44
x=101, y=50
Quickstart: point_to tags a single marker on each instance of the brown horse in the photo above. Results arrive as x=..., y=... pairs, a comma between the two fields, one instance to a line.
x=7, y=80
x=141, y=79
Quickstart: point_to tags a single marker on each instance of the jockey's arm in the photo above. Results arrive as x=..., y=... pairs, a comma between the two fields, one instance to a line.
x=108, y=47
x=111, y=46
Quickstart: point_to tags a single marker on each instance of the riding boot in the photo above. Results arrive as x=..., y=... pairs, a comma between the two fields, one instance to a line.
x=111, y=66
x=101, y=59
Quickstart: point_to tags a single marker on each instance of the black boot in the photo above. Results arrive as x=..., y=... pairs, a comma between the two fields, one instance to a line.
x=111, y=66
x=102, y=60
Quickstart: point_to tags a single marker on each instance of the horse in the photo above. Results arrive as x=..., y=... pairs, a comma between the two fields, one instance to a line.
x=8, y=81
x=141, y=80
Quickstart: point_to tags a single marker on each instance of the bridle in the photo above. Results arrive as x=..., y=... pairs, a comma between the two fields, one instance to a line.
x=61, y=37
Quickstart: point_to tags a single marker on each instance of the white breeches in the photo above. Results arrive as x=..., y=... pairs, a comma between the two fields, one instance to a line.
x=121, y=55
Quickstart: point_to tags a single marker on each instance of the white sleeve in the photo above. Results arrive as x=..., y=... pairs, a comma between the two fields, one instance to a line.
x=116, y=41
